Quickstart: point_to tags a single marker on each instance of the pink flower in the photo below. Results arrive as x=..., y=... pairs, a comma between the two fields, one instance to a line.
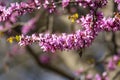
x=118, y=1
x=44, y=59
x=89, y=77
x=111, y=65
x=30, y=25
x=116, y=58
x=98, y=77
x=79, y=71
x=65, y=3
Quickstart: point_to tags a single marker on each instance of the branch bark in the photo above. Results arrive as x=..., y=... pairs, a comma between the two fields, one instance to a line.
x=113, y=33
x=50, y=67
x=116, y=75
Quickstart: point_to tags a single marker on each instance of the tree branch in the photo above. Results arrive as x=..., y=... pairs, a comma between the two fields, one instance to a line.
x=50, y=67
x=14, y=26
x=116, y=75
x=113, y=33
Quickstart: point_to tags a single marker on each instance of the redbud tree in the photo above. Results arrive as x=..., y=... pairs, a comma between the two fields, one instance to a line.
x=87, y=14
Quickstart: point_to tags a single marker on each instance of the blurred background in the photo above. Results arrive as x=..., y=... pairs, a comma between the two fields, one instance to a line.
x=31, y=63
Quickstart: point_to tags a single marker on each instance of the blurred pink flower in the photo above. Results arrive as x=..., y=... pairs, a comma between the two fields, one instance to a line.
x=30, y=25
x=44, y=59
x=79, y=71
x=89, y=77
x=65, y=3
x=111, y=65
x=98, y=77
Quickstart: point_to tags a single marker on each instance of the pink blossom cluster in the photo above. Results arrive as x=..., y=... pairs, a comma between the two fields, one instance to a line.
x=53, y=42
x=29, y=25
x=80, y=39
x=92, y=24
x=114, y=62
x=26, y=26
x=104, y=76
x=117, y=1
x=88, y=76
x=92, y=3
x=17, y=9
x=65, y=3
x=112, y=65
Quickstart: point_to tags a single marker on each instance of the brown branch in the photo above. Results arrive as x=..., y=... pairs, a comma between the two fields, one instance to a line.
x=60, y=2
x=114, y=43
x=116, y=75
x=113, y=33
x=50, y=67
x=13, y=26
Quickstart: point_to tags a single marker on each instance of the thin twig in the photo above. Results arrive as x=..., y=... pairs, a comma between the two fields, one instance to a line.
x=13, y=26
x=60, y=2
x=113, y=33
x=116, y=75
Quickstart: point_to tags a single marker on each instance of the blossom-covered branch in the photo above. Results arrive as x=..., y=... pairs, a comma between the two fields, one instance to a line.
x=80, y=39
x=17, y=9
